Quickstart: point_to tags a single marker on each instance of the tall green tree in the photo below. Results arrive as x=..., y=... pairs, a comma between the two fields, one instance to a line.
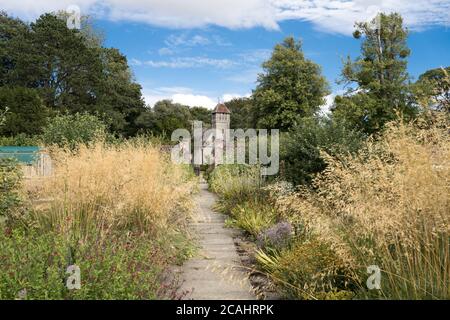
x=291, y=87
x=242, y=113
x=54, y=59
x=12, y=32
x=433, y=87
x=120, y=100
x=378, y=80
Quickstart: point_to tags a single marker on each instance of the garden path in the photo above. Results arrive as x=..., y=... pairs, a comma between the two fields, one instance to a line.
x=216, y=271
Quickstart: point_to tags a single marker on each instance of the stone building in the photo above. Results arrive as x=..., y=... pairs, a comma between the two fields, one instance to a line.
x=214, y=139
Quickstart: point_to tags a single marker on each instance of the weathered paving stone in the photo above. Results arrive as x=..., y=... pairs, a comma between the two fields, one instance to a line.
x=216, y=271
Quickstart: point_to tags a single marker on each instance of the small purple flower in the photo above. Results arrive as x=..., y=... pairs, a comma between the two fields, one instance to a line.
x=277, y=236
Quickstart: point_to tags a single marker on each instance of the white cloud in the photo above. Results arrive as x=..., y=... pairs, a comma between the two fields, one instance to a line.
x=183, y=40
x=230, y=96
x=326, y=108
x=246, y=62
x=186, y=62
x=194, y=100
x=327, y=15
x=135, y=62
x=186, y=96
x=329, y=100
x=177, y=43
x=151, y=99
x=165, y=51
x=255, y=55
x=248, y=76
x=174, y=90
x=196, y=13
x=218, y=40
x=339, y=15
x=30, y=9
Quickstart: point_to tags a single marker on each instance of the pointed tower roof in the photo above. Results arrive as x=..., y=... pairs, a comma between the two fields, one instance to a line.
x=221, y=108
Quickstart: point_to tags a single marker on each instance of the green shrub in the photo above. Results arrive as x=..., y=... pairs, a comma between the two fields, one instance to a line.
x=72, y=130
x=301, y=148
x=19, y=140
x=308, y=270
x=122, y=267
x=10, y=183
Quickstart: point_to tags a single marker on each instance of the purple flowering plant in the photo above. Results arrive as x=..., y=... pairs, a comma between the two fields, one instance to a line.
x=277, y=237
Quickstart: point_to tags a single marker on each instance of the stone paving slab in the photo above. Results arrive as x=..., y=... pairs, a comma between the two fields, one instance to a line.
x=216, y=272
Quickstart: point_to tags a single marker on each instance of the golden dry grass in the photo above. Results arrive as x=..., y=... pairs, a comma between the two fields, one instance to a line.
x=388, y=206
x=132, y=186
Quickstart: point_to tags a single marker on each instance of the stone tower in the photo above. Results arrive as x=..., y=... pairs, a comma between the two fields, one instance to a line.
x=221, y=124
x=221, y=117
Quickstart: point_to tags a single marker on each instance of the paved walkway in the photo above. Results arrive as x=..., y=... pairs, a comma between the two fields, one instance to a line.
x=215, y=272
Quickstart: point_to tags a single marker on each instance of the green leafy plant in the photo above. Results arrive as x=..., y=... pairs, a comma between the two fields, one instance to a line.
x=302, y=147
x=26, y=112
x=20, y=139
x=72, y=130
x=115, y=267
x=10, y=184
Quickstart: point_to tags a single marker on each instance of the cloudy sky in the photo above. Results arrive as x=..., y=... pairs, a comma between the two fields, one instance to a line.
x=198, y=51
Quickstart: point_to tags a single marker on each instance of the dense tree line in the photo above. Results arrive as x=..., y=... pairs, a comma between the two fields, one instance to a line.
x=48, y=69
x=166, y=116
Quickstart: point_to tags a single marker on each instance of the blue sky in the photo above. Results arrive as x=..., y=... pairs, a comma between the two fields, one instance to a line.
x=198, y=51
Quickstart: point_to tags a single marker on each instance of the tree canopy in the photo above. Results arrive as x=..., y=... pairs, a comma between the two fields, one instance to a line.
x=291, y=87
x=378, y=80
x=167, y=116
x=434, y=86
x=69, y=70
x=26, y=112
x=242, y=113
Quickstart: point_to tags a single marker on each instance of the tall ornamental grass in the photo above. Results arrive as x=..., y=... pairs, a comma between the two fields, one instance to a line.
x=130, y=186
x=387, y=206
